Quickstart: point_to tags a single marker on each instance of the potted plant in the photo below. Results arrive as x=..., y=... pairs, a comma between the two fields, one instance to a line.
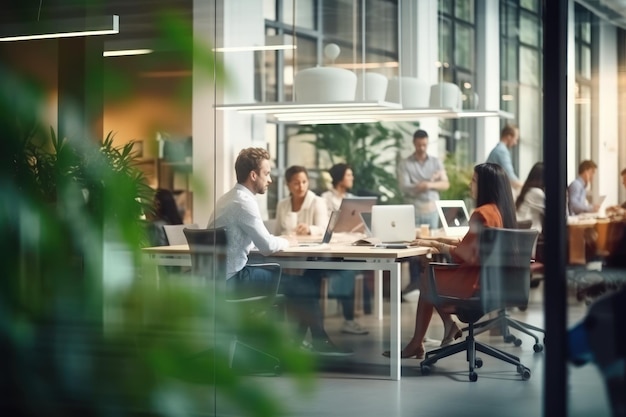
x=371, y=149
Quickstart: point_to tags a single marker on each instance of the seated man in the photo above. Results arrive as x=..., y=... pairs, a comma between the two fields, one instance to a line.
x=239, y=213
x=618, y=210
x=577, y=190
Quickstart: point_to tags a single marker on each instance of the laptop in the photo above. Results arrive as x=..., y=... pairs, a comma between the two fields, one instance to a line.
x=393, y=224
x=349, y=219
x=175, y=234
x=454, y=217
x=328, y=233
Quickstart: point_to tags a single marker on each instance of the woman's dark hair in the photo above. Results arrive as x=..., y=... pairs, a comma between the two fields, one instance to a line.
x=493, y=187
x=534, y=180
x=165, y=207
x=293, y=170
x=337, y=172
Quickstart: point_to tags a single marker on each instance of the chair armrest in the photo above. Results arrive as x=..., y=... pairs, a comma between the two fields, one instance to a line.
x=443, y=265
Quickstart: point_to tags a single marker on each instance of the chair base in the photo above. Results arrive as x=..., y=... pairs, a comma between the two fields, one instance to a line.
x=247, y=359
x=470, y=346
x=503, y=321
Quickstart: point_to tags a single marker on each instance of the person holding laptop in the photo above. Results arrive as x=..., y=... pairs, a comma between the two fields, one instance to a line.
x=238, y=211
x=421, y=177
x=312, y=217
x=577, y=190
x=491, y=189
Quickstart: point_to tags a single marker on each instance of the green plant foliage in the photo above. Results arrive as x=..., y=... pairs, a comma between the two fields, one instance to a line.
x=459, y=178
x=371, y=149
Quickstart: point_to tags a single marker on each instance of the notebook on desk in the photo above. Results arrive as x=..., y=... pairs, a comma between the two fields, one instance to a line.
x=393, y=225
x=454, y=217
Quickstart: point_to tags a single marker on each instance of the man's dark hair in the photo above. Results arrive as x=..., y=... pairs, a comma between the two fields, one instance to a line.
x=420, y=134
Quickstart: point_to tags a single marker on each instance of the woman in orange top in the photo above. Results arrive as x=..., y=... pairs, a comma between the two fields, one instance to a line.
x=491, y=189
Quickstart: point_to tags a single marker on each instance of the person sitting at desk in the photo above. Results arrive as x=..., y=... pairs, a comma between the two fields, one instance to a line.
x=577, y=190
x=491, y=189
x=165, y=212
x=531, y=202
x=618, y=210
x=312, y=217
x=238, y=211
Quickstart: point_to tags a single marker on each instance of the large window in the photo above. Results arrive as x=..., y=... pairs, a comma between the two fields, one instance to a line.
x=582, y=39
x=457, y=49
x=521, y=76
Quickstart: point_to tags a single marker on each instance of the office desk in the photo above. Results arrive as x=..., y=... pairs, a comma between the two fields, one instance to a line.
x=606, y=232
x=334, y=256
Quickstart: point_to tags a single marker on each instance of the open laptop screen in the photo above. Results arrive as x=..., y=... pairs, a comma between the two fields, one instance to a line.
x=349, y=220
x=453, y=216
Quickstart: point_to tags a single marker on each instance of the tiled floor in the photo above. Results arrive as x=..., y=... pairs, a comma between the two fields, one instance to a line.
x=356, y=386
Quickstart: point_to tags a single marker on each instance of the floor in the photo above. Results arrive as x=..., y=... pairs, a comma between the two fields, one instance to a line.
x=357, y=385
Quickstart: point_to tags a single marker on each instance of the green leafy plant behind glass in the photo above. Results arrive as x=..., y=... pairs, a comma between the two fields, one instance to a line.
x=459, y=178
x=371, y=149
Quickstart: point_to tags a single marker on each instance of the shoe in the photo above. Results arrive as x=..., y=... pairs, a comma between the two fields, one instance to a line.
x=352, y=327
x=417, y=354
x=306, y=346
x=413, y=286
x=328, y=348
x=451, y=334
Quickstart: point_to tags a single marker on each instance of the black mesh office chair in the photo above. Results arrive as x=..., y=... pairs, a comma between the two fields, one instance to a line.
x=503, y=321
x=208, y=261
x=504, y=282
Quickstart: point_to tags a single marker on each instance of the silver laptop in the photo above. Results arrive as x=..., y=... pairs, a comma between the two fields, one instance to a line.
x=454, y=217
x=394, y=224
x=349, y=219
x=175, y=234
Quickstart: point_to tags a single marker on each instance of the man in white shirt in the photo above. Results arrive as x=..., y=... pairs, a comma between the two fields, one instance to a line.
x=238, y=211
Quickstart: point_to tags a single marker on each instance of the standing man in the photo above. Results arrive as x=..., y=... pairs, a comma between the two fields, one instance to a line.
x=421, y=177
x=501, y=154
x=577, y=190
x=238, y=211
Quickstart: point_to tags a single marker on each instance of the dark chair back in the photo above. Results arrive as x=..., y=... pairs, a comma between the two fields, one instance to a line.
x=208, y=252
x=505, y=256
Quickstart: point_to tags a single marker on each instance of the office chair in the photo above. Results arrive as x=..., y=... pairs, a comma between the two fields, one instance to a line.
x=503, y=320
x=505, y=256
x=208, y=260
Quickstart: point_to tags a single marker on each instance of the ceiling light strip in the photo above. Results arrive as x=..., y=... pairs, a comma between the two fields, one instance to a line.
x=89, y=26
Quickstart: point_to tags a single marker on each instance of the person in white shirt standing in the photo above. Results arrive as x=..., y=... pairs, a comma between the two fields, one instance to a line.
x=421, y=177
x=238, y=211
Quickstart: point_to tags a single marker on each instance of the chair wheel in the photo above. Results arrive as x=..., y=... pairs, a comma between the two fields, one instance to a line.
x=538, y=347
x=520, y=369
x=526, y=374
x=517, y=342
x=473, y=376
x=478, y=363
x=509, y=338
x=425, y=369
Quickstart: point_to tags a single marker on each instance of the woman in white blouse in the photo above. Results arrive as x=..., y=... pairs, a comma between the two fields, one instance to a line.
x=310, y=209
x=312, y=218
x=531, y=202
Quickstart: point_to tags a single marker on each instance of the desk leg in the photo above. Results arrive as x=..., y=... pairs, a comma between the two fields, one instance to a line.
x=378, y=295
x=394, y=321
